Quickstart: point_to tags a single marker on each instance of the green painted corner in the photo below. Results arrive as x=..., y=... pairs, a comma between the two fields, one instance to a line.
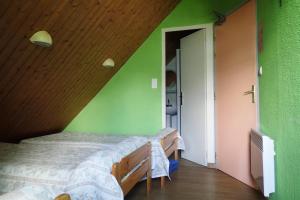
x=280, y=90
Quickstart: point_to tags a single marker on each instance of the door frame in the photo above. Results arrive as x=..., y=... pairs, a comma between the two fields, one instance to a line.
x=210, y=137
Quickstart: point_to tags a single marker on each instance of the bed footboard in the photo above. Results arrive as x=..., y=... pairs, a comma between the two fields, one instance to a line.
x=63, y=197
x=169, y=144
x=131, y=169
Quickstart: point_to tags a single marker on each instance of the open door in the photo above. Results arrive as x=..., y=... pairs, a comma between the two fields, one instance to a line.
x=178, y=89
x=193, y=88
x=236, y=105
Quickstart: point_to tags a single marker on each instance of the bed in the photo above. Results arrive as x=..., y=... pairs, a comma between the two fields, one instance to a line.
x=82, y=170
x=166, y=142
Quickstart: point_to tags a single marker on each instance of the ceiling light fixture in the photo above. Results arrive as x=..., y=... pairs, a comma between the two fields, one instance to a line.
x=108, y=63
x=42, y=38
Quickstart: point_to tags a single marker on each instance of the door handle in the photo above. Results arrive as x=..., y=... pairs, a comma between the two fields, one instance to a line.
x=252, y=92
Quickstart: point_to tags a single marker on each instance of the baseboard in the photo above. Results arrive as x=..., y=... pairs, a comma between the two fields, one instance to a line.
x=212, y=165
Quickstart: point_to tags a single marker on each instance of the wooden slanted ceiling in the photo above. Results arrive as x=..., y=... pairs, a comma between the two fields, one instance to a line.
x=43, y=89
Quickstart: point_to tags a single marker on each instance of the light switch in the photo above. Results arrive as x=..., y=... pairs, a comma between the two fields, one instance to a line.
x=154, y=83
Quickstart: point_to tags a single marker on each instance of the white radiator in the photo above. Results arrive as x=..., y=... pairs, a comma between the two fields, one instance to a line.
x=262, y=162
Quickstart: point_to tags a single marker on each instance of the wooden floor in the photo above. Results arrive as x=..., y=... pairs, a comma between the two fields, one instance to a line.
x=193, y=181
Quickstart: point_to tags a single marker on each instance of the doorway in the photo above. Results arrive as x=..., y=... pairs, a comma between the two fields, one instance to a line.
x=188, y=92
x=235, y=95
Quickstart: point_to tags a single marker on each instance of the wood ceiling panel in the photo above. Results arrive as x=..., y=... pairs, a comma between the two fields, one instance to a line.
x=43, y=89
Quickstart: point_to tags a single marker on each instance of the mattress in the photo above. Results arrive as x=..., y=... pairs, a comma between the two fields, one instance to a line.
x=79, y=169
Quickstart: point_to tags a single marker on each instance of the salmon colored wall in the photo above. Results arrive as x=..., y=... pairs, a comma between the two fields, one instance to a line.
x=235, y=73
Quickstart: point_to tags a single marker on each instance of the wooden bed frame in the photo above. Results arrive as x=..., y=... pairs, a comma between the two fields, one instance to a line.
x=132, y=168
x=169, y=144
x=63, y=197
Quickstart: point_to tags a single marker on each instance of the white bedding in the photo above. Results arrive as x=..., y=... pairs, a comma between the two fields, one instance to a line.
x=28, y=193
x=160, y=163
x=80, y=169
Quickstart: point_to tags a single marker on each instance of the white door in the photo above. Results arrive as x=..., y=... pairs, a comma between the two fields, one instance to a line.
x=178, y=89
x=193, y=87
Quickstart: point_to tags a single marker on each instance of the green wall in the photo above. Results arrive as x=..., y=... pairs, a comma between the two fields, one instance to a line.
x=127, y=104
x=280, y=90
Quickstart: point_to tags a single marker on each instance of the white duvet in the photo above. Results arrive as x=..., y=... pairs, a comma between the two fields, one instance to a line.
x=84, y=179
x=81, y=170
x=160, y=162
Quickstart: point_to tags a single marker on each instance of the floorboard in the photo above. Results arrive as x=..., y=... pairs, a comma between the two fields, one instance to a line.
x=193, y=181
